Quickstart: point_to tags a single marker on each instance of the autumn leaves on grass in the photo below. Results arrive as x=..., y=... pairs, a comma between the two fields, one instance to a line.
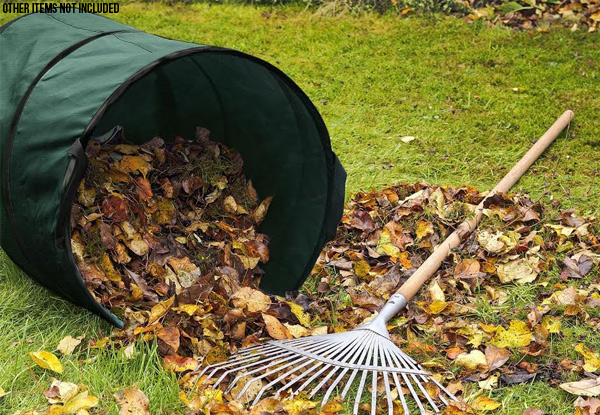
x=498, y=313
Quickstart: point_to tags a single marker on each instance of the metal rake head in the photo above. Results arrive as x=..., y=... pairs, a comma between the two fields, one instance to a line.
x=361, y=356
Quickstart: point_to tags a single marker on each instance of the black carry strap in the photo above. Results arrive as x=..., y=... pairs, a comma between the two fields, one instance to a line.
x=73, y=175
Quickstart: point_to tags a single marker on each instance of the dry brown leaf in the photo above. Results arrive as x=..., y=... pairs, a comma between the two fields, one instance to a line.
x=250, y=299
x=132, y=401
x=68, y=344
x=587, y=387
x=275, y=328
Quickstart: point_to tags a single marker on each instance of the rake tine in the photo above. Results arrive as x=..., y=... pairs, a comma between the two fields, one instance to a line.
x=314, y=376
x=414, y=365
x=348, y=355
x=283, y=356
x=446, y=391
x=386, y=381
x=431, y=402
x=300, y=359
x=234, y=361
x=374, y=382
x=315, y=366
x=355, y=357
x=264, y=375
x=398, y=386
x=364, y=356
x=361, y=386
x=416, y=398
x=286, y=374
x=296, y=380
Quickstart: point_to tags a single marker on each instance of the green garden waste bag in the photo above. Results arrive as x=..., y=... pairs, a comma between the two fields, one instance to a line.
x=66, y=78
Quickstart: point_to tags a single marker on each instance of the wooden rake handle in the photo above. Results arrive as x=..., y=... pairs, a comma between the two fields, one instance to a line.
x=431, y=265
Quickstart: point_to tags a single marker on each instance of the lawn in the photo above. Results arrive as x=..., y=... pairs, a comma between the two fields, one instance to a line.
x=474, y=97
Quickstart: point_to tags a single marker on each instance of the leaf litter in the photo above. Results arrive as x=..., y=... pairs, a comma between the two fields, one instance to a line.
x=463, y=327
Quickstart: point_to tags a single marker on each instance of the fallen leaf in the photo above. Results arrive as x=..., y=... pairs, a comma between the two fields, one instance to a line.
x=81, y=402
x=132, y=401
x=250, y=299
x=592, y=360
x=133, y=164
x=46, y=360
x=495, y=356
x=474, y=360
x=298, y=406
x=520, y=271
x=587, y=387
x=160, y=309
x=517, y=335
x=275, y=328
x=178, y=363
x=467, y=268
x=483, y=403
x=60, y=392
x=590, y=406
x=68, y=344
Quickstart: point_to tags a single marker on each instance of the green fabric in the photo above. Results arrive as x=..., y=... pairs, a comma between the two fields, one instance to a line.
x=246, y=104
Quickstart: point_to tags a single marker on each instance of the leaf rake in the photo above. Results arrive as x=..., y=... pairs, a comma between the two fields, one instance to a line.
x=366, y=354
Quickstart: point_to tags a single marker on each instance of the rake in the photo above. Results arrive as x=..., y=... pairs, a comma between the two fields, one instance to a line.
x=366, y=354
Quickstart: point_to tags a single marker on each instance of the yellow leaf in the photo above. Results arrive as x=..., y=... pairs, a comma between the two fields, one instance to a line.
x=424, y=229
x=475, y=360
x=592, y=360
x=160, y=309
x=252, y=389
x=189, y=309
x=80, y=402
x=261, y=211
x=46, y=360
x=552, y=324
x=385, y=245
x=300, y=314
x=252, y=300
x=437, y=306
x=266, y=405
x=297, y=330
x=52, y=410
x=101, y=343
x=361, y=268
x=109, y=270
x=334, y=406
x=490, y=383
x=2, y=392
x=483, y=403
x=517, y=335
x=299, y=406
x=131, y=164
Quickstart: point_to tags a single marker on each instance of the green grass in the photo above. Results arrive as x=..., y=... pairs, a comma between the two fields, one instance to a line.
x=374, y=79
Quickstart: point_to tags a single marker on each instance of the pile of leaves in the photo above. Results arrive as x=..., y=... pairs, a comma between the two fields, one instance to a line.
x=465, y=324
x=496, y=314
x=164, y=234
